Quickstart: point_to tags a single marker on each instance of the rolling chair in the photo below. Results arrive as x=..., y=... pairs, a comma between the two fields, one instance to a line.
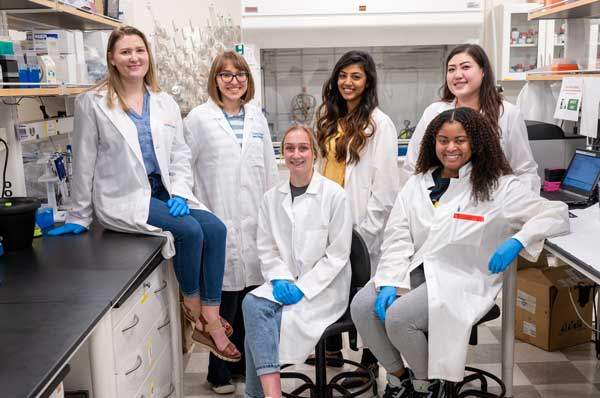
x=361, y=273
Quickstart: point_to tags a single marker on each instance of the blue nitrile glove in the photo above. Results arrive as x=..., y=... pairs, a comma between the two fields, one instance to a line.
x=68, y=228
x=295, y=295
x=504, y=255
x=286, y=292
x=385, y=298
x=178, y=207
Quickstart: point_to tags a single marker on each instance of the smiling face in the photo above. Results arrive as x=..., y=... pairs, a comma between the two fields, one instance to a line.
x=231, y=91
x=453, y=148
x=298, y=154
x=351, y=82
x=130, y=57
x=463, y=77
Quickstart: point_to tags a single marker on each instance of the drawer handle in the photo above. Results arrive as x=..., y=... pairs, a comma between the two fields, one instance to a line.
x=138, y=363
x=164, y=324
x=136, y=320
x=172, y=390
x=163, y=287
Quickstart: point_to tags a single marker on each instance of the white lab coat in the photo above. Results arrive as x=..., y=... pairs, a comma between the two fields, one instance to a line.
x=109, y=176
x=231, y=182
x=372, y=184
x=455, y=253
x=514, y=142
x=308, y=242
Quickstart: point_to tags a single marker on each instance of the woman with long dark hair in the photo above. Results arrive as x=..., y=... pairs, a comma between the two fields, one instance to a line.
x=470, y=82
x=455, y=226
x=358, y=143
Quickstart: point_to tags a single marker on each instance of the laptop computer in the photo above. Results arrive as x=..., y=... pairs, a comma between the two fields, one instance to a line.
x=579, y=183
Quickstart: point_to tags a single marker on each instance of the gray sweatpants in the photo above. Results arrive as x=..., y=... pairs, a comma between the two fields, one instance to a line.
x=406, y=322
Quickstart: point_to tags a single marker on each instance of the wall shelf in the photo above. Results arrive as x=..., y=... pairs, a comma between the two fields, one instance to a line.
x=28, y=14
x=573, y=9
x=41, y=92
x=559, y=76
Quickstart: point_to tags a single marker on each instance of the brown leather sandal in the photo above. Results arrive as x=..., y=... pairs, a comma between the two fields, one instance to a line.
x=204, y=338
x=190, y=316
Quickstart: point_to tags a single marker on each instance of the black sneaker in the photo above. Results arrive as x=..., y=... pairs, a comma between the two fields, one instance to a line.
x=398, y=388
x=434, y=390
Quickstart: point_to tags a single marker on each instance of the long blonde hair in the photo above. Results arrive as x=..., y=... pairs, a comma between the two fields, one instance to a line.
x=112, y=83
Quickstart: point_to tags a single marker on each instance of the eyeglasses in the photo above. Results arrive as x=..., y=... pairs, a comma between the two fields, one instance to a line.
x=227, y=77
x=458, y=141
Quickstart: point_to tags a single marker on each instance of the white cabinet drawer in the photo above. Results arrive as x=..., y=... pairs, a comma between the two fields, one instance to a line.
x=140, y=296
x=133, y=367
x=159, y=383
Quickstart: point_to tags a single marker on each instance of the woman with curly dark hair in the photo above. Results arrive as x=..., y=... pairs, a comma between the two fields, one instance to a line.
x=456, y=225
x=358, y=144
x=470, y=82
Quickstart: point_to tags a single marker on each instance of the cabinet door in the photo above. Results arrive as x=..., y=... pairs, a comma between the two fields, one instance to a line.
x=556, y=30
x=523, y=43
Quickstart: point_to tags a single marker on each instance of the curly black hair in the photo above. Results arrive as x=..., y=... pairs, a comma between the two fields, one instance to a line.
x=487, y=158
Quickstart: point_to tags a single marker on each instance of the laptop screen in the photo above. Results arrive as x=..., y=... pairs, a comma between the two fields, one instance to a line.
x=583, y=172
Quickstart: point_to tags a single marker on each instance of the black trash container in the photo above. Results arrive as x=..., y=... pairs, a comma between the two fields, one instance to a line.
x=17, y=222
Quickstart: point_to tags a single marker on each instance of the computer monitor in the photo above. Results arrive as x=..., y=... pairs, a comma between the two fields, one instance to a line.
x=583, y=172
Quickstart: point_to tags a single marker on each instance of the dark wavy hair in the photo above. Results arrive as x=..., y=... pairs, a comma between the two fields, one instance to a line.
x=334, y=110
x=490, y=100
x=487, y=157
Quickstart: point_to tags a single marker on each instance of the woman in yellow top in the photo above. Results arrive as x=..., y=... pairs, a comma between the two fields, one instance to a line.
x=358, y=143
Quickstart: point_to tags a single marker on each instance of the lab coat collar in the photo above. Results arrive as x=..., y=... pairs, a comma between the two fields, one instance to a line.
x=463, y=172
x=313, y=186
x=121, y=121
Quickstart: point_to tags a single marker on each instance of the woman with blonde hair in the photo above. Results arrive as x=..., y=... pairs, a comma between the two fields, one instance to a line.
x=304, y=238
x=131, y=166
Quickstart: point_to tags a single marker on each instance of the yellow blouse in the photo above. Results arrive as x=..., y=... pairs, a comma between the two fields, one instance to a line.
x=334, y=170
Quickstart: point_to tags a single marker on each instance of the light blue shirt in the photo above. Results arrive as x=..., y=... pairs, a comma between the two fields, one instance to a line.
x=236, y=122
x=142, y=123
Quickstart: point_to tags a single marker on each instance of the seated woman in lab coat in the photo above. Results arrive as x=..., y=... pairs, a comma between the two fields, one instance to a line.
x=456, y=225
x=470, y=82
x=131, y=166
x=304, y=238
x=234, y=165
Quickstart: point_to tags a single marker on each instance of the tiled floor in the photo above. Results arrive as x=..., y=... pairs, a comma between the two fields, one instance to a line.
x=572, y=372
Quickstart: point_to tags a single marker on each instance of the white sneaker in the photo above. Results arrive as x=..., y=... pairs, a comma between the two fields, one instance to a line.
x=227, y=388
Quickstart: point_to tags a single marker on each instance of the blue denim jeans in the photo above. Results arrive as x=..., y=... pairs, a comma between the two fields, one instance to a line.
x=262, y=319
x=200, y=239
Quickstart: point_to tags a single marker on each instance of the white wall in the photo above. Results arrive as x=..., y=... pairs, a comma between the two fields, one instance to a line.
x=180, y=12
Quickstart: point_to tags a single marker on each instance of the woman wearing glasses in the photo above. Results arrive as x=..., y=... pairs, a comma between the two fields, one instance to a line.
x=234, y=165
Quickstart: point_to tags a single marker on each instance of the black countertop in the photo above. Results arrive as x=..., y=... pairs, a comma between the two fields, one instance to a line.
x=52, y=295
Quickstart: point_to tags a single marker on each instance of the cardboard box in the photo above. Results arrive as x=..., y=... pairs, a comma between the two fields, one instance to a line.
x=544, y=315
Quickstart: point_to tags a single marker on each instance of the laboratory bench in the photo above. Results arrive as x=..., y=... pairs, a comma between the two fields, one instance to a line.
x=69, y=296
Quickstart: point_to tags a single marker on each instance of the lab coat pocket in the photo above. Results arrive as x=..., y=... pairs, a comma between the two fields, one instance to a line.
x=315, y=243
x=467, y=229
x=254, y=153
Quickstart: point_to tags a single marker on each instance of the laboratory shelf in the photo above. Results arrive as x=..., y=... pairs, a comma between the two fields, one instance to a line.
x=27, y=14
x=559, y=76
x=573, y=9
x=41, y=92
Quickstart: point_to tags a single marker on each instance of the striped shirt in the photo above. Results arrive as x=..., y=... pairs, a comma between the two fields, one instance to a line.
x=236, y=122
